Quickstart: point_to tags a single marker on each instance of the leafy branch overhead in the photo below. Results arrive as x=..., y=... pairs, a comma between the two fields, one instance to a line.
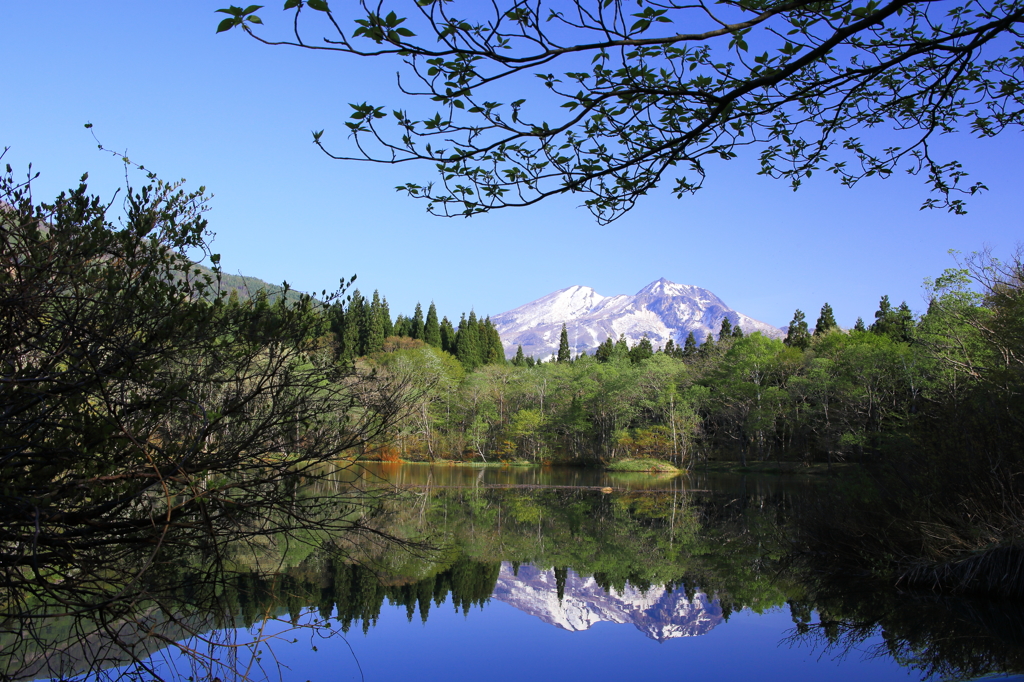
x=613, y=98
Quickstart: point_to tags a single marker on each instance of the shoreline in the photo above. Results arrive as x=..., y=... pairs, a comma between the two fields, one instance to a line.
x=720, y=467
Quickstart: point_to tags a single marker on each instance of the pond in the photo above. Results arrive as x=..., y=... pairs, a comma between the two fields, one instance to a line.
x=512, y=574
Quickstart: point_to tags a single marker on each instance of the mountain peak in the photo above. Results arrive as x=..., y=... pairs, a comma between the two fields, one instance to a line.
x=658, y=613
x=662, y=310
x=667, y=287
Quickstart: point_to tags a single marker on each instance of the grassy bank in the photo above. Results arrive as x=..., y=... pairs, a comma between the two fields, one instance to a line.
x=641, y=465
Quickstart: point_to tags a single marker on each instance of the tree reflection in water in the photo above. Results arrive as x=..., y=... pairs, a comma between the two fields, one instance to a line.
x=208, y=592
x=948, y=638
x=222, y=611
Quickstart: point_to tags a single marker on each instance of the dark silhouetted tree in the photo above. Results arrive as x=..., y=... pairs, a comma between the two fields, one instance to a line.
x=564, y=354
x=798, y=335
x=826, y=321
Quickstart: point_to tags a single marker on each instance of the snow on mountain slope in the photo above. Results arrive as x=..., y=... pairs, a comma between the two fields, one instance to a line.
x=661, y=310
x=658, y=613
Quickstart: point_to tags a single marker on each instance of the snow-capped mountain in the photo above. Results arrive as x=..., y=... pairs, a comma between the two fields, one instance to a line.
x=656, y=612
x=662, y=310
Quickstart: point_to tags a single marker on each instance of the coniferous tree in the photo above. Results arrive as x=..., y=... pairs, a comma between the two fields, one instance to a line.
x=402, y=326
x=726, y=330
x=519, y=360
x=336, y=318
x=641, y=351
x=737, y=332
x=670, y=348
x=798, y=335
x=467, y=342
x=375, y=326
x=708, y=346
x=417, y=322
x=883, y=317
x=355, y=324
x=431, y=328
x=563, y=346
x=826, y=321
x=481, y=347
x=904, y=324
x=389, y=327
x=604, y=351
x=621, y=349
x=494, y=350
x=689, y=346
x=460, y=339
x=448, y=336
x=859, y=325
x=898, y=324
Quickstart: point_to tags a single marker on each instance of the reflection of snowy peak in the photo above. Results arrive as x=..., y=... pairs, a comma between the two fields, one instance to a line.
x=656, y=612
x=661, y=310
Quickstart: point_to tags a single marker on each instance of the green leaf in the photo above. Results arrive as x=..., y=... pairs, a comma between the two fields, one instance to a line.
x=255, y=19
x=289, y=4
x=318, y=5
x=251, y=8
x=226, y=25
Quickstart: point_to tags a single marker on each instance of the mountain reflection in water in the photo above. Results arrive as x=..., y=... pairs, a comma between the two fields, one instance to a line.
x=573, y=602
x=701, y=556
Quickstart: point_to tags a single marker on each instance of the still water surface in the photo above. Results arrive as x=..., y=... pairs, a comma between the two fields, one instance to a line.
x=546, y=574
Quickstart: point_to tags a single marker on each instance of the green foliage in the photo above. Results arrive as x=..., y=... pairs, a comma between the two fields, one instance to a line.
x=519, y=360
x=798, y=336
x=651, y=465
x=375, y=326
x=621, y=349
x=468, y=348
x=417, y=325
x=641, y=351
x=897, y=324
x=564, y=355
x=725, y=331
x=140, y=397
x=689, y=346
x=826, y=321
x=447, y=336
x=432, y=328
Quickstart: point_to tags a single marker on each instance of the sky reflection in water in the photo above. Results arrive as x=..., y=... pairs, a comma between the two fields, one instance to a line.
x=500, y=642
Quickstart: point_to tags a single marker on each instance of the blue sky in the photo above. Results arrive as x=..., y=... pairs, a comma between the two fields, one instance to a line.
x=235, y=116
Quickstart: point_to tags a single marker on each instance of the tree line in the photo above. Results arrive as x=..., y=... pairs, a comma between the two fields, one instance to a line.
x=818, y=395
x=360, y=327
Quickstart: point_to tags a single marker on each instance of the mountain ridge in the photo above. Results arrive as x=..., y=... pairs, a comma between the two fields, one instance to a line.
x=659, y=613
x=662, y=310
